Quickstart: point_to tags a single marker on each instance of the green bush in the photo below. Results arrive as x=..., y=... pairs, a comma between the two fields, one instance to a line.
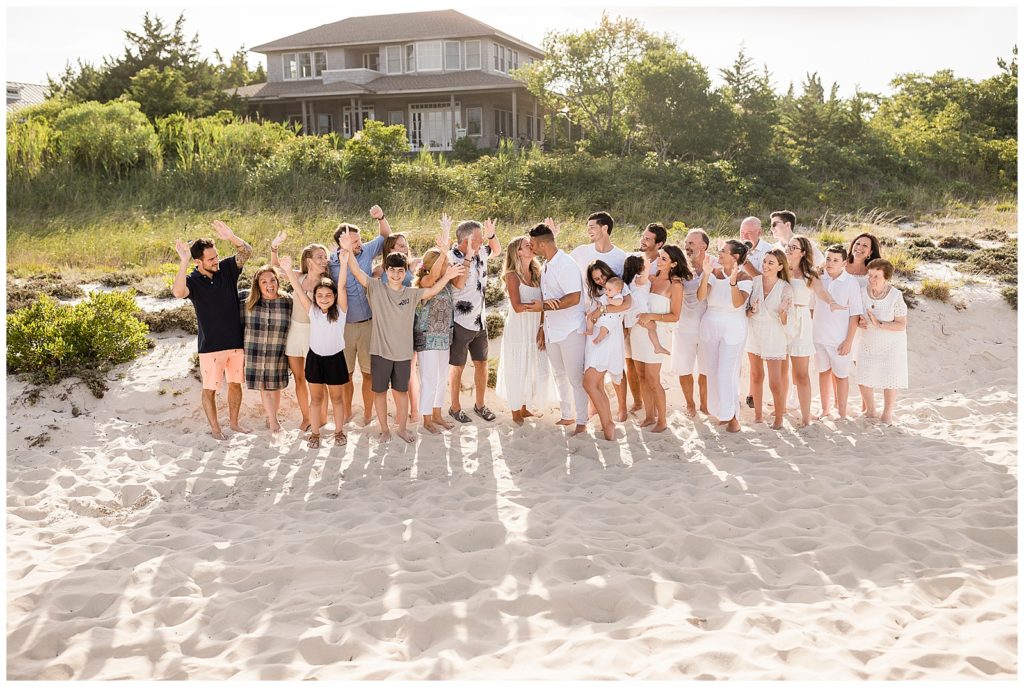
x=465, y=150
x=958, y=242
x=494, y=293
x=991, y=234
x=182, y=317
x=1010, y=295
x=921, y=242
x=952, y=254
x=936, y=289
x=994, y=261
x=495, y=324
x=372, y=152
x=55, y=341
x=112, y=137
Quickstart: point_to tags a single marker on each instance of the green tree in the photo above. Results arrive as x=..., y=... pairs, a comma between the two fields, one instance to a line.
x=160, y=92
x=584, y=74
x=754, y=106
x=109, y=137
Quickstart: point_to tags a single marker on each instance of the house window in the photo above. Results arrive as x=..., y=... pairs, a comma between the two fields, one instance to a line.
x=430, y=125
x=361, y=116
x=393, y=55
x=504, y=67
x=324, y=123
x=396, y=117
x=428, y=56
x=474, y=121
x=410, y=57
x=291, y=67
x=305, y=65
x=371, y=60
x=496, y=67
x=472, y=54
x=319, y=63
x=513, y=60
x=502, y=123
x=452, y=56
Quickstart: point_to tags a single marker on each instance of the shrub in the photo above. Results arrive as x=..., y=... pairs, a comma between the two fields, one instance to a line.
x=1007, y=207
x=182, y=317
x=371, y=153
x=958, y=242
x=991, y=234
x=492, y=373
x=116, y=279
x=921, y=242
x=994, y=261
x=111, y=137
x=936, y=289
x=1010, y=295
x=903, y=262
x=952, y=254
x=465, y=150
x=495, y=324
x=494, y=293
x=828, y=238
x=55, y=341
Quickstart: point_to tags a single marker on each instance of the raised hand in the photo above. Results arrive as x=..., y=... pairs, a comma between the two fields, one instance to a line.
x=286, y=263
x=552, y=225
x=444, y=236
x=279, y=239
x=489, y=227
x=755, y=305
x=183, y=250
x=376, y=212
x=223, y=231
x=705, y=265
x=345, y=243
x=454, y=272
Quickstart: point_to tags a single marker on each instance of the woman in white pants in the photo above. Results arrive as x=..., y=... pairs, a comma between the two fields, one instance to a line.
x=432, y=337
x=723, y=330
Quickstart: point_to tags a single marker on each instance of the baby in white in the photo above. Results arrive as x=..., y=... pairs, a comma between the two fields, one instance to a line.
x=612, y=296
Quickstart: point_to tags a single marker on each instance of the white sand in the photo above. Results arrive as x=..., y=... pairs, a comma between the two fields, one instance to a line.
x=139, y=547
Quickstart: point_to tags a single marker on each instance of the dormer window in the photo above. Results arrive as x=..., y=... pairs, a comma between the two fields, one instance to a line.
x=473, y=55
x=304, y=65
x=428, y=56
x=393, y=59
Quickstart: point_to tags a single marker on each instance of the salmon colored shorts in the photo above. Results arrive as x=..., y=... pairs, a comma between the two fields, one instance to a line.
x=212, y=367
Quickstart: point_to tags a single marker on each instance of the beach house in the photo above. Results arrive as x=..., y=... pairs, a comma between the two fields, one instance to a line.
x=442, y=74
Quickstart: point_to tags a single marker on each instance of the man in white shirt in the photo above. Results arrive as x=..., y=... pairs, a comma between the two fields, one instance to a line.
x=470, y=334
x=783, y=227
x=834, y=330
x=750, y=233
x=687, y=335
x=561, y=286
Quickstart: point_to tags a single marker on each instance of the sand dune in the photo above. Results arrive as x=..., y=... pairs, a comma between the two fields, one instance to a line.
x=138, y=547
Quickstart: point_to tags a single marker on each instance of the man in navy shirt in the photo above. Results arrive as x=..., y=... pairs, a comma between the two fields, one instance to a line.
x=213, y=289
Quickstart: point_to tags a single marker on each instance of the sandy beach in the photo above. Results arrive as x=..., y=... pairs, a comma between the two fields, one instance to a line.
x=140, y=547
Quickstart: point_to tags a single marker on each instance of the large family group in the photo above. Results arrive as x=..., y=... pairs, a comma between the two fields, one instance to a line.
x=573, y=320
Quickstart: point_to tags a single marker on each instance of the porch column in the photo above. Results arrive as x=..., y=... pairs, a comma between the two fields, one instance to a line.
x=359, y=113
x=451, y=99
x=305, y=124
x=515, y=118
x=538, y=128
x=314, y=127
x=352, y=117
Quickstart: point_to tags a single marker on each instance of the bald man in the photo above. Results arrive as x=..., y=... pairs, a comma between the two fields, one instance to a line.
x=750, y=233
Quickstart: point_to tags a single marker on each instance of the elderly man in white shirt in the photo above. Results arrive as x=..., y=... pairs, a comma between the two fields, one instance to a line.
x=561, y=286
x=750, y=233
x=834, y=330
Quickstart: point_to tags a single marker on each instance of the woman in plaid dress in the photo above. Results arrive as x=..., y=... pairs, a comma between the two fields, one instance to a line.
x=267, y=316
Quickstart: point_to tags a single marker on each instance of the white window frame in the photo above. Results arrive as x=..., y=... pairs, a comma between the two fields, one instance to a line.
x=330, y=123
x=423, y=46
x=469, y=120
x=499, y=119
x=368, y=59
x=444, y=106
x=504, y=63
x=387, y=59
x=297, y=57
x=316, y=63
x=295, y=66
x=391, y=117
x=479, y=55
x=458, y=53
x=347, y=120
x=302, y=66
x=406, y=61
x=514, y=61
x=495, y=51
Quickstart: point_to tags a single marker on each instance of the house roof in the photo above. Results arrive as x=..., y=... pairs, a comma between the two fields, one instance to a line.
x=385, y=85
x=21, y=95
x=391, y=28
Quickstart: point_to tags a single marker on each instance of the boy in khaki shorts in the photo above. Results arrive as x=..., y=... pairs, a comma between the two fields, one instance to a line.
x=213, y=289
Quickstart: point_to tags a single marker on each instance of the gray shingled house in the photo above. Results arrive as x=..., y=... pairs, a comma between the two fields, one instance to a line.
x=441, y=74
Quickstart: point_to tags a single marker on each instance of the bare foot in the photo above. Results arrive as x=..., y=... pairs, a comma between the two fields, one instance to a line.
x=366, y=420
x=661, y=350
x=304, y=424
x=621, y=417
x=691, y=411
x=240, y=429
x=758, y=419
x=733, y=426
x=647, y=422
x=428, y=425
x=438, y=420
x=217, y=434
x=566, y=423
x=406, y=436
x=580, y=429
x=660, y=427
x=636, y=407
x=275, y=426
x=823, y=414
x=872, y=413
x=886, y=419
x=384, y=437
x=526, y=413
x=777, y=424
x=704, y=409
x=609, y=434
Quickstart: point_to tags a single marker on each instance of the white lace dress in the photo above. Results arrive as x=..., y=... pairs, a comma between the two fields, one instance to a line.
x=800, y=328
x=767, y=335
x=524, y=376
x=883, y=354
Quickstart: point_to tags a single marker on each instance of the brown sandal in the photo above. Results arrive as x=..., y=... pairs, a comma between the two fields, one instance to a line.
x=340, y=439
x=313, y=441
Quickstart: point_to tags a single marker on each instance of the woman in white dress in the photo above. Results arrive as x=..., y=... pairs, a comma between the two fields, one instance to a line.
x=664, y=306
x=771, y=301
x=883, y=349
x=524, y=378
x=607, y=356
x=312, y=267
x=723, y=330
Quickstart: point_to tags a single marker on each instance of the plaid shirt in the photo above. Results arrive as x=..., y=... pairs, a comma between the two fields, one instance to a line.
x=266, y=332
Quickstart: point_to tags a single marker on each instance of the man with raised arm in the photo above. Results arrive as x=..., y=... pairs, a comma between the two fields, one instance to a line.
x=358, y=322
x=470, y=333
x=213, y=289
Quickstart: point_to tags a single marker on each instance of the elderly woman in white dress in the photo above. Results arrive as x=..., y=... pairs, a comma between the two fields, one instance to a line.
x=524, y=378
x=664, y=306
x=771, y=303
x=723, y=330
x=883, y=349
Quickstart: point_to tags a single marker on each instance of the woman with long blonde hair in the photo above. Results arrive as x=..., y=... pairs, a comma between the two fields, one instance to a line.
x=524, y=378
x=432, y=339
x=267, y=319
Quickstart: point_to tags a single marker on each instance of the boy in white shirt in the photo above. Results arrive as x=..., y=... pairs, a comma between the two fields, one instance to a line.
x=834, y=330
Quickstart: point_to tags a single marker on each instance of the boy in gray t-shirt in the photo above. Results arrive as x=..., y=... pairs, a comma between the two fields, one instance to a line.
x=394, y=309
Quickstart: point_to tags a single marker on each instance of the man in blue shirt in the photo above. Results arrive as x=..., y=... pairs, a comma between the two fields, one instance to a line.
x=357, y=321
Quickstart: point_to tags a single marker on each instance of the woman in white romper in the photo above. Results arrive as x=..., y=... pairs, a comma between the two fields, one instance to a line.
x=883, y=350
x=723, y=330
x=771, y=301
x=524, y=378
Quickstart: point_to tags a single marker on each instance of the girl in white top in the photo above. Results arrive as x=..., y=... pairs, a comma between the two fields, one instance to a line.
x=771, y=299
x=883, y=349
x=313, y=267
x=325, y=361
x=524, y=377
x=807, y=289
x=723, y=330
